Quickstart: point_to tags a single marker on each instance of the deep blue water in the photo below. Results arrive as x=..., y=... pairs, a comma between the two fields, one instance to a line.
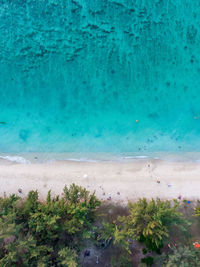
x=99, y=75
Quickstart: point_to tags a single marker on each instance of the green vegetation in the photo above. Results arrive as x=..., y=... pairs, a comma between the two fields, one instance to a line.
x=121, y=260
x=59, y=231
x=148, y=261
x=148, y=222
x=183, y=256
x=197, y=210
x=50, y=233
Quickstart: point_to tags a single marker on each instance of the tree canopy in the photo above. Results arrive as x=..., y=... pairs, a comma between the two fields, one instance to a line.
x=57, y=231
x=34, y=233
x=148, y=221
x=183, y=257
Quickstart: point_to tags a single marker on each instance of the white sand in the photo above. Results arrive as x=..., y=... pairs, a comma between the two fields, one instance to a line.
x=132, y=179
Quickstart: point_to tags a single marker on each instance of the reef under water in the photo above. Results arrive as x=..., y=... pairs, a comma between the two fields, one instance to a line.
x=99, y=75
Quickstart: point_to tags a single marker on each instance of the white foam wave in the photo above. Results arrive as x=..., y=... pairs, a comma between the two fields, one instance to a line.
x=16, y=159
x=140, y=157
x=81, y=160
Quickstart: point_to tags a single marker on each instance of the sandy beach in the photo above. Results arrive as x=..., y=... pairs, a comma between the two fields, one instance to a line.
x=118, y=181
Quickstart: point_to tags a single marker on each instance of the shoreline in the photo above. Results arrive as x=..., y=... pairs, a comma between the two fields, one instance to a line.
x=120, y=181
x=52, y=157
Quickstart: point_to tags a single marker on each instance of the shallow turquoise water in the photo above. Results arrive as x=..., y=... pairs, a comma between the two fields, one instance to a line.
x=75, y=75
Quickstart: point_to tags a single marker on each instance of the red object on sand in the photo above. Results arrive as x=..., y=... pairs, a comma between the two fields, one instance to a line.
x=196, y=245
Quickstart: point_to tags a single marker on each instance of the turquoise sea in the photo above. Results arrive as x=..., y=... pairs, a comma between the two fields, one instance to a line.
x=114, y=76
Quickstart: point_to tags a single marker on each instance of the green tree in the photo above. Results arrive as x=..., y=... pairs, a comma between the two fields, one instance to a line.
x=48, y=233
x=149, y=222
x=67, y=257
x=106, y=231
x=183, y=257
x=197, y=211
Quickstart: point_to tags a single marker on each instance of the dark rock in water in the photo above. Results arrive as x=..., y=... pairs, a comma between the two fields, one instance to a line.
x=191, y=34
x=153, y=115
x=2, y=122
x=24, y=135
x=48, y=129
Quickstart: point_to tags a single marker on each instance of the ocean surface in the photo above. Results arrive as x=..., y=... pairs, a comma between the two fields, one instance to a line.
x=106, y=76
